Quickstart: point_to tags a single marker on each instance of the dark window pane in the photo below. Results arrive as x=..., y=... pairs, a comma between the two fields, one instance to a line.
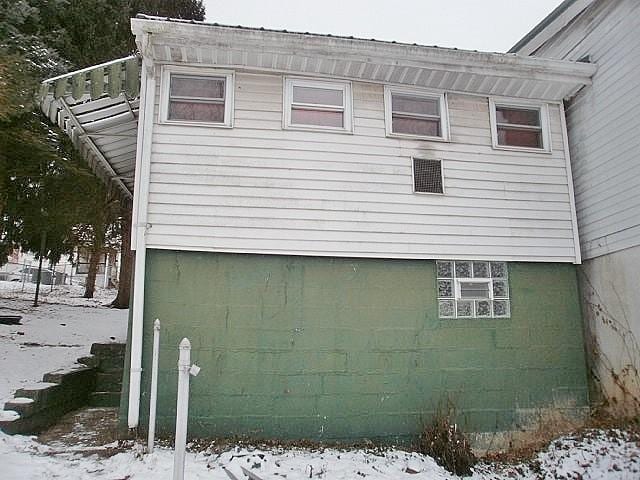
x=186, y=86
x=200, y=112
x=518, y=116
x=320, y=96
x=519, y=138
x=414, y=126
x=316, y=117
x=419, y=105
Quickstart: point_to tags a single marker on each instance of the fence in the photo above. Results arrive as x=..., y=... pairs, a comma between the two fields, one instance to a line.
x=19, y=277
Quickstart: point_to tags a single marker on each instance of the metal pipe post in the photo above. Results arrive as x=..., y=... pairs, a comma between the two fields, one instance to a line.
x=182, y=410
x=154, y=385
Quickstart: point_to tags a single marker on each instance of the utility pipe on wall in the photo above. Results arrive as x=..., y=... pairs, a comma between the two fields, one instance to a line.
x=141, y=198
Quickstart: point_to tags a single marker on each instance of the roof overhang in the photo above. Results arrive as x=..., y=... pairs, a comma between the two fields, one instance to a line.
x=97, y=107
x=510, y=75
x=550, y=26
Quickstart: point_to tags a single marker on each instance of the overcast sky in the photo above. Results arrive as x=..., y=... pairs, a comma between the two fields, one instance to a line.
x=489, y=25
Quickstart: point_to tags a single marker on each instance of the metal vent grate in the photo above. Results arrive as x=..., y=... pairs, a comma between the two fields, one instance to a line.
x=427, y=175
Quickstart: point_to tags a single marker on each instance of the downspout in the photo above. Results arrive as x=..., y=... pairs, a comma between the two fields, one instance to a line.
x=139, y=220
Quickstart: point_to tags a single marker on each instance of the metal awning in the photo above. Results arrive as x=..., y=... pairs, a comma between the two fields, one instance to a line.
x=98, y=109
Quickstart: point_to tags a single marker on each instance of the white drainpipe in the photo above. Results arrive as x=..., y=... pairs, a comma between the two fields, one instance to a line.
x=143, y=161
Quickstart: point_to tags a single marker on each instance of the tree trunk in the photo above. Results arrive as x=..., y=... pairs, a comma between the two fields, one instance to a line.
x=124, y=278
x=96, y=249
x=90, y=283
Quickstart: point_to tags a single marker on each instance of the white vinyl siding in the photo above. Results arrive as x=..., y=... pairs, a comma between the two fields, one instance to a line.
x=603, y=125
x=259, y=188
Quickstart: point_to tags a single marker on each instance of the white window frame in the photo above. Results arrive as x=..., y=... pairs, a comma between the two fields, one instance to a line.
x=165, y=83
x=413, y=176
x=389, y=90
x=522, y=104
x=458, y=287
x=347, y=108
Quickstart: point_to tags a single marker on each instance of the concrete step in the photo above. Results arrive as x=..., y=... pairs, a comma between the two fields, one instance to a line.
x=90, y=361
x=42, y=404
x=108, y=349
x=109, y=381
x=104, y=399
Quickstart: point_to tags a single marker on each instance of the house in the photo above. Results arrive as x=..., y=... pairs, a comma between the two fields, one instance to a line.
x=603, y=129
x=354, y=234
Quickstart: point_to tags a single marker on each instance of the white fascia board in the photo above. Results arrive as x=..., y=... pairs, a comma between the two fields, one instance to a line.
x=300, y=44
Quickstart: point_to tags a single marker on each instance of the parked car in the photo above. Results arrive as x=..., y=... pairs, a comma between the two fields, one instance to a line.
x=30, y=274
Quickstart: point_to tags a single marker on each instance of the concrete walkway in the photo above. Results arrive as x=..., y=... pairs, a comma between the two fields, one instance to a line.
x=88, y=430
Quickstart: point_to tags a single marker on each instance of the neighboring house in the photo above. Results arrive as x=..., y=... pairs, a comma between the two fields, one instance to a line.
x=604, y=125
x=352, y=233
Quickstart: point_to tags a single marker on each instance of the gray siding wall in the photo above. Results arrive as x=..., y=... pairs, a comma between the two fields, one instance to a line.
x=257, y=188
x=604, y=124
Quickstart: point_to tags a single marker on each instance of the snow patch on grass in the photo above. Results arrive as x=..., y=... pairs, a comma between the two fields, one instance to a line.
x=596, y=455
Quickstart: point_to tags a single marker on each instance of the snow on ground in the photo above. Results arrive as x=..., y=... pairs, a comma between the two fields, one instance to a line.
x=59, y=294
x=612, y=455
x=52, y=336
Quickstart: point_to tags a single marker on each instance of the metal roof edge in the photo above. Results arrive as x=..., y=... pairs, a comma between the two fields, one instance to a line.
x=506, y=61
x=545, y=29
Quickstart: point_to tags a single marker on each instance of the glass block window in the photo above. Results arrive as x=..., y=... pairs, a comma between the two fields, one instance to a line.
x=472, y=289
x=317, y=104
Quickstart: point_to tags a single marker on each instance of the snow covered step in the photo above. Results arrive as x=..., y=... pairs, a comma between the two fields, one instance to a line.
x=42, y=404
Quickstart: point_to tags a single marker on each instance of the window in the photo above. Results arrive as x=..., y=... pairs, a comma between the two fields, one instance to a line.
x=519, y=126
x=415, y=114
x=196, y=96
x=317, y=104
x=472, y=289
x=427, y=176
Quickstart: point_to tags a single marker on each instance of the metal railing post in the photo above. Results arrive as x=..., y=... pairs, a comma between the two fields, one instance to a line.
x=154, y=385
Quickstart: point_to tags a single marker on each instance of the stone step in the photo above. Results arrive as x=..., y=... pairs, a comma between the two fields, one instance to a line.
x=90, y=361
x=42, y=404
x=111, y=365
x=108, y=349
x=109, y=381
x=104, y=399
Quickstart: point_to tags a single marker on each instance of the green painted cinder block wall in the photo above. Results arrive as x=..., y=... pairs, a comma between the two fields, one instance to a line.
x=344, y=349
